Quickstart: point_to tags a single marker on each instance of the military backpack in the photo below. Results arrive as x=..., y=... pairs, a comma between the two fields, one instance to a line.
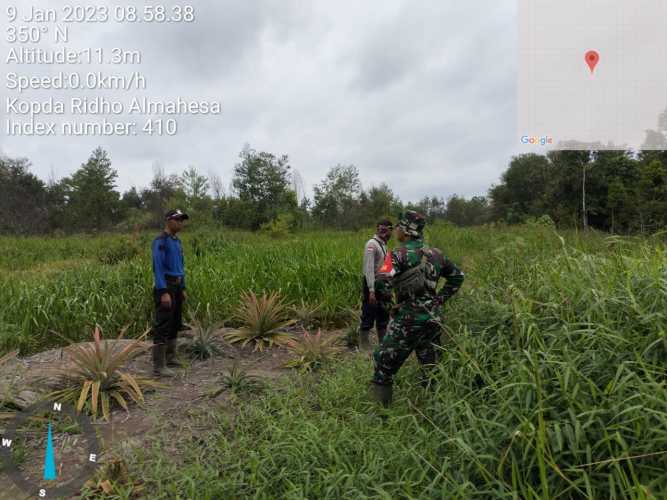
x=419, y=279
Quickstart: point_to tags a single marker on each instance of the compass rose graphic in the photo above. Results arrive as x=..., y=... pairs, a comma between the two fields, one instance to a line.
x=21, y=436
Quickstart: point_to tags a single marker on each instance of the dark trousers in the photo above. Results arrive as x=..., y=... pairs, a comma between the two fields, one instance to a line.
x=374, y=314
x=168, y=321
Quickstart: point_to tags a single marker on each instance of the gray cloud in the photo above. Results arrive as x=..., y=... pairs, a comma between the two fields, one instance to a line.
x=418, y=95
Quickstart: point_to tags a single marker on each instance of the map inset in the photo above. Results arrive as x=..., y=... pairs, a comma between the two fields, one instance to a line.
x=593, y=73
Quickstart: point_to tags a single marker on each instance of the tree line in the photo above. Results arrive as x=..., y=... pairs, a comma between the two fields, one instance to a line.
x=616, y=191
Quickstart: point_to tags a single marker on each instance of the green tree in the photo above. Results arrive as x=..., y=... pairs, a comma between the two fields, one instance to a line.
x=617, y=198
x=563, y=199
x=197, y=201
x=262, y=182
x=522, y=190
x=336, y=198
x=652, y=196
x=432, y=207
x=464, y=212
x=132, y=199
x=163, y=192
x=195, y=186
x=92, y=200
x=607, y=174
x=24, y=200
x=379, y=201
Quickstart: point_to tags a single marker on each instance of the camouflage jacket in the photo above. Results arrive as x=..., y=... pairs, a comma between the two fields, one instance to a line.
x=410, y=255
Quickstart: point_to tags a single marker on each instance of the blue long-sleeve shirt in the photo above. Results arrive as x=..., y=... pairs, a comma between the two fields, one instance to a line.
x=167, y=260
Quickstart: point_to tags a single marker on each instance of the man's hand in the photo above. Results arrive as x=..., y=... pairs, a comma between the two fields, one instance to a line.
x=165, y=301
x=184, y=294
x=372, y=299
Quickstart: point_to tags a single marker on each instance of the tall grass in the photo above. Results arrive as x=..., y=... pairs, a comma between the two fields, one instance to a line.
x=61, y=284
x=552, y=381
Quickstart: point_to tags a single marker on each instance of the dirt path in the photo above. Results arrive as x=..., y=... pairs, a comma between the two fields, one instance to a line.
x=179, y=406
x=192, y=390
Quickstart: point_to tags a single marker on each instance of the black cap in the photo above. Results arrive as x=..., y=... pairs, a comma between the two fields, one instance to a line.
x=176, y=214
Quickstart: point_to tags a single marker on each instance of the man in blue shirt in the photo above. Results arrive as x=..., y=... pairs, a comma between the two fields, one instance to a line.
x=169, y=291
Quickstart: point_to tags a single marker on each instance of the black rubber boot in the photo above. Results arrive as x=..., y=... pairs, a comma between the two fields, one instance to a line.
x=381, y=334
x=364, y=342
x=381, y=393
x=171, y=354
x=159, y=361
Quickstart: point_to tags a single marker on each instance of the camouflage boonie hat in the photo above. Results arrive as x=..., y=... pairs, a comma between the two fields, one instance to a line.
x=412, y=223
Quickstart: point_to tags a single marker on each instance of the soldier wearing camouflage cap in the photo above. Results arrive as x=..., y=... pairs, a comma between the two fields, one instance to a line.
x=415, y=325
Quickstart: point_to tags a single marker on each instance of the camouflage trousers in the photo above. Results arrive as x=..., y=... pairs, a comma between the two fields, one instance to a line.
x=411, y=328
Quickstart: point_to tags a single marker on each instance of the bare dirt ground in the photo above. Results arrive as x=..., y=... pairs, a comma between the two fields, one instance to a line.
x=179, y=404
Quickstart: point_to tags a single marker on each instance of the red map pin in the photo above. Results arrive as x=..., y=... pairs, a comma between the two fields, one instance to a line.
x=592, y=59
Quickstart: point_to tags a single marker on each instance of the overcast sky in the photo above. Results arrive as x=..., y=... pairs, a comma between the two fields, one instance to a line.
x=421, y=95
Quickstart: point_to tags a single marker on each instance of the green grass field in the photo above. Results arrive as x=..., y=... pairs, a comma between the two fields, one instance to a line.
x=552, y=384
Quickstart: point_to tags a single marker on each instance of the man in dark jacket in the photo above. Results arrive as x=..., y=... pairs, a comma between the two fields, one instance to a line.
x=169, y=292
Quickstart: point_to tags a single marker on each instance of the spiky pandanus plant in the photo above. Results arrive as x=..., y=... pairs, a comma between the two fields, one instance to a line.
x=262, y=321
x=306, y=314
x=96, y=379
x=203, y=343
x=238, y=382
x=312, y=351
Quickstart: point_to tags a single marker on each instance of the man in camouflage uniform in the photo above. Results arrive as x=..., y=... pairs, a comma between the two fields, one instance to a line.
x=414, y=325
